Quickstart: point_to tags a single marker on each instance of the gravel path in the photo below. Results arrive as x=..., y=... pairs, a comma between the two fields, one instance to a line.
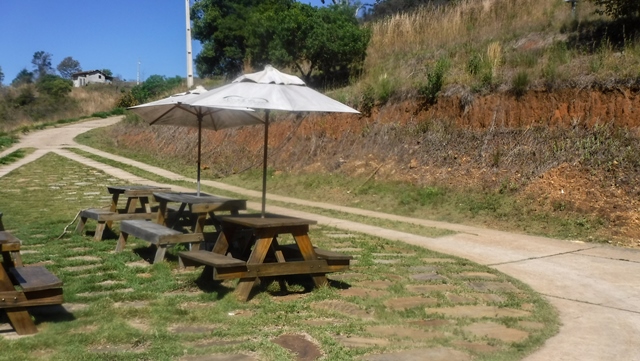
x=596, y=288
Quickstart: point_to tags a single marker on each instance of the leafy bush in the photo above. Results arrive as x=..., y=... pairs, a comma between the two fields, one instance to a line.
x=435, y=81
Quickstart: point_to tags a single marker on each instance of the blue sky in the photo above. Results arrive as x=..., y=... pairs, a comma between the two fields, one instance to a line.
x=100, y=34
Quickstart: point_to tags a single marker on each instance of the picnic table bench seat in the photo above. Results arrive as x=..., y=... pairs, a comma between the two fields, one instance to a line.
x=156, y=234
x=104, y=217
x=24, y=286
x=227, y=267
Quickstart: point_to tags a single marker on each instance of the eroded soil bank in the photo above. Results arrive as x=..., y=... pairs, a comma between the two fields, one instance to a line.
x=572, y=150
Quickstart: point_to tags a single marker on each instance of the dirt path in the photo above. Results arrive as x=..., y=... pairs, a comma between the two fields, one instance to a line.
x=595, y=288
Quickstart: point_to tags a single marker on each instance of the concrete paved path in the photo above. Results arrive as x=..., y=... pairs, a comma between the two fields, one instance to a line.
x=596, y=288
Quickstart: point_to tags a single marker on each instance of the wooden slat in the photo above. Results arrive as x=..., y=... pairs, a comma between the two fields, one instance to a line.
x=35, y=278
x=157, y=233
x=211, y=259
x=270, y=220
x=30, y=299
x=322, y=253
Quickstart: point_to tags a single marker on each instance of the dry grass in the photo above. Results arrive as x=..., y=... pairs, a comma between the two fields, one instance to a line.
x=537, y=36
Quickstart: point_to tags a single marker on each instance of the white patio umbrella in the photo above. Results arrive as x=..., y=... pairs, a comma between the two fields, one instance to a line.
x=270, y=90
x=175, y=110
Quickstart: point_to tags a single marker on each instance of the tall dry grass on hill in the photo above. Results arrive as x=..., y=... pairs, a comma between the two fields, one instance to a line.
x=539, y=41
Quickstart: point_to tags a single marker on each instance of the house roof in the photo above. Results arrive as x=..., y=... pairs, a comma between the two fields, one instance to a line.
x=90, y=72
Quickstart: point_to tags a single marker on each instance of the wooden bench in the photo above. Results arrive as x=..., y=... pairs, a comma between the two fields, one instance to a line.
x=224, y=267
x=105, y=217
x=227, y=267
x=37, y=287
x=156, y=234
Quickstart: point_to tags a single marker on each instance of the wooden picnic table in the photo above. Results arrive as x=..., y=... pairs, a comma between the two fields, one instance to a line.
x=261, y=255
x=22, y=287
x=193, y=211
x=137, y=206
x=194, y=208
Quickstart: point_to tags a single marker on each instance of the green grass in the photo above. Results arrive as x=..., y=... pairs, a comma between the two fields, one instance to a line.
x=128, y=312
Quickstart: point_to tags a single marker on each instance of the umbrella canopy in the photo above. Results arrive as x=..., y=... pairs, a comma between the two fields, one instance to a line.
x=175, y=110
x=269, y=89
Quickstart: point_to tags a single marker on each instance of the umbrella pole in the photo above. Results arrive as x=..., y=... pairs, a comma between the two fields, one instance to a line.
x=199, y=142
x=264, y=162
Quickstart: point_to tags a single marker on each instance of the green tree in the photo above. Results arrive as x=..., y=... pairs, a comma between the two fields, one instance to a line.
x=23, y=77
x=154, y=87
x=283, y=33
x=221, y=27
x=68, y=66
x=1, y=76
x=619, y=8
x=42, y=64
x=107, y=72
x=54, y=86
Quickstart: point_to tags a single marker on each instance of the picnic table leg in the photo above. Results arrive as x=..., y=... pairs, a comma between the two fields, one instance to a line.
x=122, y=241
x=132, y=204
x=308, y=253
x=114, y=207
x=80, y=226
x=257, y=256
x=18, y=316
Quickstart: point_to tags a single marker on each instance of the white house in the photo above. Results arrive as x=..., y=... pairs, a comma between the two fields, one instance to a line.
x=90, y=77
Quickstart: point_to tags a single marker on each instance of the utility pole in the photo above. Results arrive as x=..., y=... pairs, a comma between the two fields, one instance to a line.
x=138, y=76
x=189, y=54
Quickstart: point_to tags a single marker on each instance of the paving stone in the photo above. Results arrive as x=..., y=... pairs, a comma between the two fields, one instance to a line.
x=302, y=346
x=362, y=292
x=215, y=343
x=110, y=282
x=139, y=325
x=478, y=275
x=478, y=311
x=191, y=329
x=80, y=268
x=29, y=251
x=431, y=354
x=138, y=264
x=219, y=357
x=109, y=349
x=497, y=331
x=476, y=347
x=342, y=307
x=439, y=260
x=379, y=285
x=345, y=276
x=322, y=321
x=458, y=299
x=104, y=293
x=347, y=250
x=401, y=254
x=403, y=303
x=131, y=304
x=490, y=297
x=386, y=261
x=492, y=286
x=428, y=277
x=357, y=341
x=412, y=333
x=424, y=269
x=432, y=323
x=85, y=258
x=429, y=288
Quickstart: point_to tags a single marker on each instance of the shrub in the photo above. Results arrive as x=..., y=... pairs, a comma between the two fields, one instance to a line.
x=435, y=81
x=520, y=83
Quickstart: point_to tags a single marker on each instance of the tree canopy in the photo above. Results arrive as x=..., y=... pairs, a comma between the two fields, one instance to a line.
x=284, y=33
x=42, y=64
x=1, y=76
x=68, y=66
x=54, y=86
x=23, y=77
x=619, y=9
